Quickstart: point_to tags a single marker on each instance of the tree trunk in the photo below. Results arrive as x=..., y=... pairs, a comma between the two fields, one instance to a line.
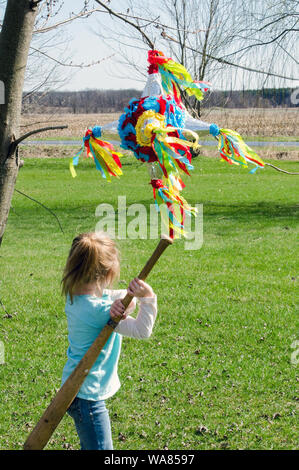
x=15, y=38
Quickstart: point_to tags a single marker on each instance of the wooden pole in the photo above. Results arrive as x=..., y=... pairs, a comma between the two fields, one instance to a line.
x=49, y=421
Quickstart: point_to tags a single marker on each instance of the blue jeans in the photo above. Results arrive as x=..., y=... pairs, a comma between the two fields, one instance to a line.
x=92, y=424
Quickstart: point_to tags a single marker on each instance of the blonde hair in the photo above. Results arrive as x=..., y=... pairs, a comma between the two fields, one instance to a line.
x=93, y=257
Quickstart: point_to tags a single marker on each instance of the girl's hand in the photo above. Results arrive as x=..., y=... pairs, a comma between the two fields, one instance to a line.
x=138, y=288
x=117, y=310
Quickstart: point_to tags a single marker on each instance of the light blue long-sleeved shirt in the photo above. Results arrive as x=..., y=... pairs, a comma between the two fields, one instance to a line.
x=86, y=317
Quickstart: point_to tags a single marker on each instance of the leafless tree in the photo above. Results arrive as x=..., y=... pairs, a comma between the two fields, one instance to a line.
x=270, y=38
x=208, y=26
x=20, y=24
x=215, y=39
x=15, y=36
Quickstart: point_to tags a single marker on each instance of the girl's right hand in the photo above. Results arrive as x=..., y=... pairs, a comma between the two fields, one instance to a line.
x=117, y=310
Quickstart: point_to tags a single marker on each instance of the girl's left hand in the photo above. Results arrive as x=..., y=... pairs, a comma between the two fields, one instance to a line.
x=138, y=288
x=117, y=310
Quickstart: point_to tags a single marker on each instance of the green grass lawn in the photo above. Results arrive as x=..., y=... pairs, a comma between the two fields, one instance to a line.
x=217, y=371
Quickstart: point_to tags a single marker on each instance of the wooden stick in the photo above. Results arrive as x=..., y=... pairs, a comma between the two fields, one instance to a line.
x=47, y=424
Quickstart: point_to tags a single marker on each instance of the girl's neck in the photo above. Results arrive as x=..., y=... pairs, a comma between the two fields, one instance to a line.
x=89, y=289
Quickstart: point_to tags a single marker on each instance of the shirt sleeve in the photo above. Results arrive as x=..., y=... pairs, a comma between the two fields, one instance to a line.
x=140, y=327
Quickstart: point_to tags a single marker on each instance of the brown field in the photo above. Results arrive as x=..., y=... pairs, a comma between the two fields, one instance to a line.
x=266, y=153
x=257, y=121
x=276, y=122
x=77, y=123
x=252, y=121
x=52, y=151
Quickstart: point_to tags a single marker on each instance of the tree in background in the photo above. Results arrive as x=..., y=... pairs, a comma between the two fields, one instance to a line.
x=236, y=43
x=15, y=41
x=20, y=23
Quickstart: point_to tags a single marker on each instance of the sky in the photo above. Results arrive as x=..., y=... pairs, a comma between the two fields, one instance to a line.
x=86, y=45
x=81, y=41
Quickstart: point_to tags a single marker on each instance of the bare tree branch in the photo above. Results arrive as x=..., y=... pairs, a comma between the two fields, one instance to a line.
x=159, y=24
x=264, y=43
x=277, y=20
x=223, y=61
x=279, y=169
x=134, y=25
x=16, y=142
x=70, y=64
x=43, y=205
x=82, y=14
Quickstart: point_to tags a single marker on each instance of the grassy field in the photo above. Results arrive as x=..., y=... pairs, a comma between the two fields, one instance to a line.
x=46, y=150
x=217, y=371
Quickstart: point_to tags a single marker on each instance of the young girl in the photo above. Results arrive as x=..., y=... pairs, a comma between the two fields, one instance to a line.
x=91, y=267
